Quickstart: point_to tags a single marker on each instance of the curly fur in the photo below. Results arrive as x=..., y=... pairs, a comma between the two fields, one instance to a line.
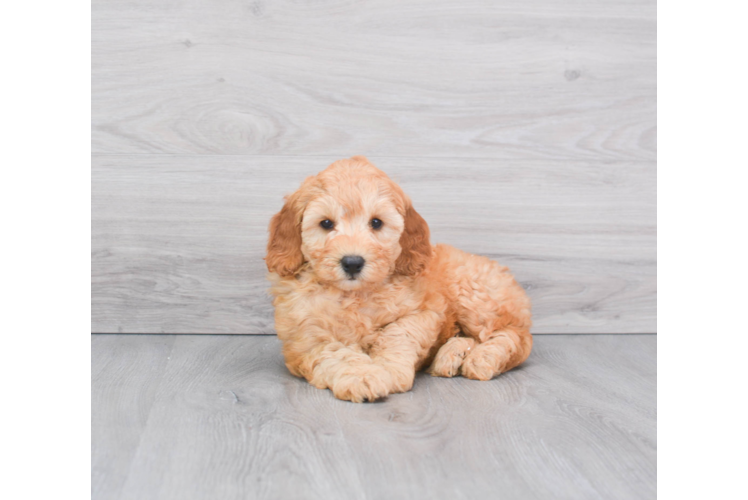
x=413, y=305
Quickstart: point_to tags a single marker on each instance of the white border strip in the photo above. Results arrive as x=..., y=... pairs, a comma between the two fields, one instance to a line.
x=738, y=120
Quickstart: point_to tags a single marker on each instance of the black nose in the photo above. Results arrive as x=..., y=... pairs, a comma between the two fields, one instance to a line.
x=352, y=264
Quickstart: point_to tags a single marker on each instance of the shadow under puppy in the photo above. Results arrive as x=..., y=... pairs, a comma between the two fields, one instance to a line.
x=363, y=300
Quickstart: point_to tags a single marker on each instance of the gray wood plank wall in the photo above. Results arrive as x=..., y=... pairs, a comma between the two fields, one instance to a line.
x=525, y=131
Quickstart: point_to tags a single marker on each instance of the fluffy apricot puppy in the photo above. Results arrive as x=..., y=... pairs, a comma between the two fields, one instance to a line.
x=363, y=300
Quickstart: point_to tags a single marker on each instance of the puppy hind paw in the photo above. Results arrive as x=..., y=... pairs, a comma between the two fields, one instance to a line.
x=450, y=356
x=482, y=363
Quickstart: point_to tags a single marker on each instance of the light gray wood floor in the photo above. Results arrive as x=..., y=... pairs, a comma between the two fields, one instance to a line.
x=219, y=417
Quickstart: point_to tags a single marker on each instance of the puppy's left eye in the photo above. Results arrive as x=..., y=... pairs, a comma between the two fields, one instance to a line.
x=376, y=223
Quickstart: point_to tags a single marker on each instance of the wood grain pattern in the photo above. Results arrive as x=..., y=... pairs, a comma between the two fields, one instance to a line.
x=178, y=242
x=513, y=80
x=226, y=420
x=525, y=131
x=125, y=372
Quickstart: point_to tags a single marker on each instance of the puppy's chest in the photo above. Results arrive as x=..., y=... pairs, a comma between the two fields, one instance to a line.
x=373, y=310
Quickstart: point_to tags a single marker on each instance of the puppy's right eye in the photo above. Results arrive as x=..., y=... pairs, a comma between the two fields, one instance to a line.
x=327, y=224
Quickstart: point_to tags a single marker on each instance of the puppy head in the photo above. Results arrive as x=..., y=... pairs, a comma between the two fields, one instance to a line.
x=352, y=225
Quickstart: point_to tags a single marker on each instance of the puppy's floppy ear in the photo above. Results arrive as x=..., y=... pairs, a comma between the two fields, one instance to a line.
x=415, y=244
x=284, y=245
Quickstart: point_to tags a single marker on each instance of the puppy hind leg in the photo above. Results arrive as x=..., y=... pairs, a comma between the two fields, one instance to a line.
x=448, y=359
x=500, y=352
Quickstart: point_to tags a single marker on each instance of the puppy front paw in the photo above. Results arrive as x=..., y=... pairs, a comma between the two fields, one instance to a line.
x=362, y=383
x=448, y=360
x=402, y=377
